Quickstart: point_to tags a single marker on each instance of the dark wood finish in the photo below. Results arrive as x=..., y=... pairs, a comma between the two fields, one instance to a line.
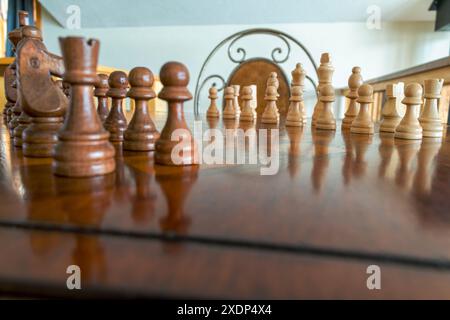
x=256, y=72
x=141, y=133
x=116, y=123
x=83, y=148
x=101, y=90
x=46, y=104
x=175, y=78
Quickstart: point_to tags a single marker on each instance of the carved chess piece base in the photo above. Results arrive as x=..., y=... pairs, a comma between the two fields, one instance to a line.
x=40, y=138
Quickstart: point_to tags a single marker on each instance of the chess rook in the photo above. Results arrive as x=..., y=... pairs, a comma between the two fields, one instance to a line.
x=175, y=78
x=409, y=127
x=429, y=119
x=116, y=123
x=363, y=122
x=326, y=120
x=354, y=82
x=212, y=111
x=101, y=90
x=83, y=148
x=141, y=133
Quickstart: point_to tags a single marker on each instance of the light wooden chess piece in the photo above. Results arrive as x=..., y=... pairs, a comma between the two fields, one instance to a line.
x=228, y=111
x=212, y=111
x=273, y=81
x=83, y=148
x=325, y=73
x=429, y=119
x=101, y=88
x=391, y=115
x=298, y=79
x=409, y=127
x=270, y=115
x=175, y=78
x=294, y=117
x=141, y=133
x=354, y=82
x=363, y=122
x=236, y=106
x=247, y=111
x=326, y=120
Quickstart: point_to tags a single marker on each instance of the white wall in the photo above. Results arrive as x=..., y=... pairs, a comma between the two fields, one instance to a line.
x=396, y=46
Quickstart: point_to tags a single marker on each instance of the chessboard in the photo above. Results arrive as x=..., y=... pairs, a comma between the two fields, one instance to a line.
x=230, y=203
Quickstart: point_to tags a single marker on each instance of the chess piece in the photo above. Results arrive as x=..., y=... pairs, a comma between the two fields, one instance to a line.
x=298, y=79
x=236, y=106
x=175, y=78
x=83, y=148
x=326, y=120
x=213, y=112
x=354, y=82
x=101, y=89
x=391, y=115
x=247, y=111
x=46, y=104
x=363, y=122
x=429, y=119
x=409, y=127
x=294, y=117
x=14, y=37
x=325, y=73
x=10, y=92
x=66, y=89
x=116, y=123
x=273, y=81
x=270, y=115
x=228, y=111
x=141, y=133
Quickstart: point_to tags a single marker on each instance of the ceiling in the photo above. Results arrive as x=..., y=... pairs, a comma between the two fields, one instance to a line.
x=135, y=13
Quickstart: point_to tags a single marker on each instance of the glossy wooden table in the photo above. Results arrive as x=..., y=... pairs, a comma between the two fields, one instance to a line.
x=338, y=204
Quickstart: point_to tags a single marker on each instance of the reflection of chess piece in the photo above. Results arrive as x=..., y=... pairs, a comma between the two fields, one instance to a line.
x=407, y=151
x=228, y=111
x=347, y=166
x=295, y=136
x=385, y=149
x=212, y=111
x=425, y=161
x=236, y=106
x=429, y=119
x=247, y=110
x=321, y=140
x=176, y=186
x=363, y=122
x=270, y=115
x=391, y=115
x=295, y=117
x=409, y=127
x=361, y=143
x=144, y=196
x=325, y=120
x=101, y=88
x=325, y=73
x=354, y=82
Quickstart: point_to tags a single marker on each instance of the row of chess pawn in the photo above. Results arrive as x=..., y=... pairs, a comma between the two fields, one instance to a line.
x=408, y=125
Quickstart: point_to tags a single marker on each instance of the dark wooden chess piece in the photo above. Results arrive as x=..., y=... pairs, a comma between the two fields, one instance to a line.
x=46, y=103
x=101, y=88
x=116, y=123
x=175, y=77
x=141, y=133
x=10, y=92
x=83, y=148
x=14, y=37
